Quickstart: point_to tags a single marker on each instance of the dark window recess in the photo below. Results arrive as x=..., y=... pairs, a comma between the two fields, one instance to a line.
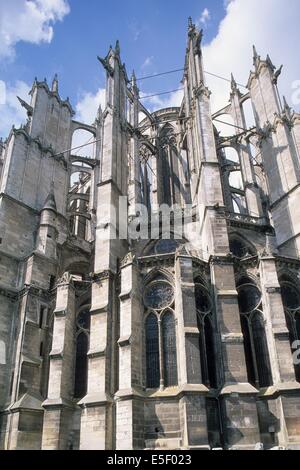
x=152, y=352
x=52, y=280
x=249, y=298
x=81, y=367
x=41, y=349
x=256, y=351
x=203, y=303
x=290, y=296
x=11, y=383
x=207, y=352
x=261, y=351
x=84, y=319
x=42, y=317
x=248, y=351
x=239, y=249
x=169, y=350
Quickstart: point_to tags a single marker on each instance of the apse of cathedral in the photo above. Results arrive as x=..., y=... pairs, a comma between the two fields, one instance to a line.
x=173, y=341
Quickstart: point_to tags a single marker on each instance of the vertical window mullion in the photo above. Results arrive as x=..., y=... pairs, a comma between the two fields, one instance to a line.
x=161, y=355
x=253, y=352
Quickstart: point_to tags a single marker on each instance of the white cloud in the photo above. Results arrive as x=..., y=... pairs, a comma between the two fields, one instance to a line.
x=204, y=18
x=28, y=20
x=87, y=106
x=148, y=61
x=11, y=111
x=154, y=103
x=274, y=30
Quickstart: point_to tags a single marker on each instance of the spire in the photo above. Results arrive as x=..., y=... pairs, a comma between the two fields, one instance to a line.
x=190, y=22
x=286, y=106
x=134, y=84
x=1, y=145
x=233, y=84
x=117, y=47
x=55, y=84
x=256, y=57
x=133, y=79
x=99, y=114
x=50, y=203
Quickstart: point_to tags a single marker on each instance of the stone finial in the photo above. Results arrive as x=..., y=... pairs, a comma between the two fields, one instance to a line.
x=286, y=106
x=277, y=73
x=233, y=84
x=270, y=63
x=117, y=47
x=190, y=22
x=50, y=203
x=26, y=106
x=99, y=114
x=256, y=57
x=133, y=79
x=134, y=83
x=55, y=84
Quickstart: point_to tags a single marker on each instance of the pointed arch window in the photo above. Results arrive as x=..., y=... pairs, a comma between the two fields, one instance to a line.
x=291, y=301
x=206, y=340
x=255, y=340
x=82, y=347
x=160, y=334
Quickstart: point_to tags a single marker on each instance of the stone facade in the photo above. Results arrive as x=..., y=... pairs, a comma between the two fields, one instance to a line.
x=110, y=343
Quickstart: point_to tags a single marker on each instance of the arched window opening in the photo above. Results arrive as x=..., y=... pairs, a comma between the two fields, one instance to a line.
x=152, y=352
x=249, y=114
x=236, y=180
x=231, y=155
x=253, y=329
x=239, y=203
x=239, y=249
x=226, y=128
x=82, y=347
x=291, y=301
x=169, y=350
x=79, y=199
x=160, y=333
x=206, y=334
x=84, y=138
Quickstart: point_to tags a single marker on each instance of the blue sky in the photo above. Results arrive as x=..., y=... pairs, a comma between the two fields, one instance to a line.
x=152, y=34
x=65, y=37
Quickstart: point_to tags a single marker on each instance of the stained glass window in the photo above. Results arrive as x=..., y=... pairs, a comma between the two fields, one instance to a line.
x=165, y=246
x=290, y=296
x=169, y=350
x=152, y=351
x=81, y=366
x=203, y=303
x=249, y=298
x=158, y=295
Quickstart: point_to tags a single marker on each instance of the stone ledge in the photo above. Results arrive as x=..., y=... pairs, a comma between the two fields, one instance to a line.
x=28, y=402
x=57, y=403
x=280, y=388
x=95, y=399
x=239, y=389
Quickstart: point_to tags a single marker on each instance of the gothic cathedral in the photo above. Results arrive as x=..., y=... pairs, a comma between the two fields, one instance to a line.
x=190, y=342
